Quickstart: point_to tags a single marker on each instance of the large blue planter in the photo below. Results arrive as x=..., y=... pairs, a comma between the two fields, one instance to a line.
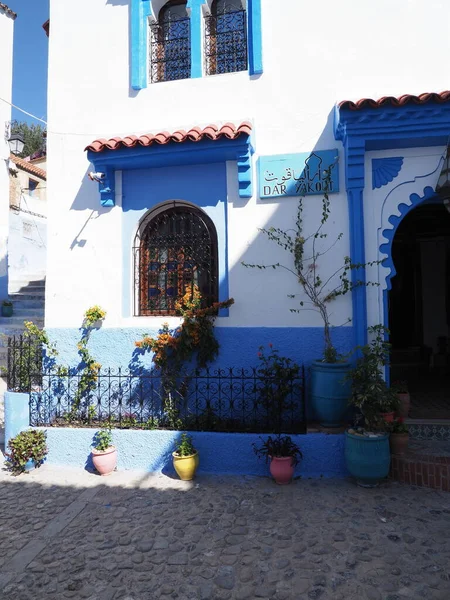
x=368, y=459
x=330, y=392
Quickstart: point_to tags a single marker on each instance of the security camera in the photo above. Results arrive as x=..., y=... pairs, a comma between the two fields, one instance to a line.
x=99, y=177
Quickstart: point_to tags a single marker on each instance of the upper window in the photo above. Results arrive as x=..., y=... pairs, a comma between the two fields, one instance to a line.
x=32, y=185
x=176, y=255
x=170, y=43
x=226, y=37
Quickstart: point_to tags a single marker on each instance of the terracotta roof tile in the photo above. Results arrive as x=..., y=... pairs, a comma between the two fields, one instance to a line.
x=195, y=134
x=28, y=167
x=396, y=102
x=7, y=10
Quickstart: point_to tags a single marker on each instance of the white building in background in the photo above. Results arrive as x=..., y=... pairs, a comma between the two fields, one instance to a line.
x=220, y=114
x=7, y=17
x=27, y=245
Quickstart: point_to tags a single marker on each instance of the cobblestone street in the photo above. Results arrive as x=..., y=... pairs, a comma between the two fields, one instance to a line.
x=71, y=534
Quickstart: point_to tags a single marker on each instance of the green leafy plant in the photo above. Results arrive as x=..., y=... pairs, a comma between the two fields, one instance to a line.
x=33, y=135
x=93, y=315
x=370, y=393
x=184, y=446
x=26, y=445
x=276, y=393
x=27, y=358
x=103, y=440
x=7, y=303
x=401, y=387
x=306, y=253
x=399, y=426
x=279, y=447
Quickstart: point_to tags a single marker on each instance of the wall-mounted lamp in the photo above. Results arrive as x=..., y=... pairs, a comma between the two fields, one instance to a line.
x=16, y=143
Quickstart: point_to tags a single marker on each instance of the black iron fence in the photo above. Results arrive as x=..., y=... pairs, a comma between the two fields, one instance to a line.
x=232, y=399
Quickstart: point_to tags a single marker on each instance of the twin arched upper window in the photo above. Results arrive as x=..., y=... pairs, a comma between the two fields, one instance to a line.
x=225, y=41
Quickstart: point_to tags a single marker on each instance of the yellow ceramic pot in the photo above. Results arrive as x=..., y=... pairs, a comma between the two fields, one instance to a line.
x=185, y=466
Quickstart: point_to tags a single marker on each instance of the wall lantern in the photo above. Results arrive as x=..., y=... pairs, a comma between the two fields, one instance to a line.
x=16, y=143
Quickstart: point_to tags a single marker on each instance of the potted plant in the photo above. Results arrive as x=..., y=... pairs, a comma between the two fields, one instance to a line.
x=27, y=450
x=399, y=437
x=283, y=454
x=7, y=308
x=330, y=386
x=185, y=458
x=404, y=398
x=367, y=445
x=104, y=454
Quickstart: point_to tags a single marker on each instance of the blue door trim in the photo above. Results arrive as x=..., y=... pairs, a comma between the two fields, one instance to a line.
x=380, y=128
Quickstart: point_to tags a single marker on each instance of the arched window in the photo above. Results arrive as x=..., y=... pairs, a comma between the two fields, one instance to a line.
x=170, y=43
x=226, y=37
x=176, y=255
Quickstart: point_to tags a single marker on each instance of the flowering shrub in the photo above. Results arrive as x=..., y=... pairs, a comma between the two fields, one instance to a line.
x=173, y=348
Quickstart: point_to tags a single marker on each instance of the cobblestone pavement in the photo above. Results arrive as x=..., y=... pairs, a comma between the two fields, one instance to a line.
x=71, y=534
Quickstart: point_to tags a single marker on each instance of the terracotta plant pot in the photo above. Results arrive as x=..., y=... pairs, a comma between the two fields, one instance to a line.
x=405, y=403
x=399, y=443
x=105, y=462
x=388, y=417
x=185, y=466
x=282, y=469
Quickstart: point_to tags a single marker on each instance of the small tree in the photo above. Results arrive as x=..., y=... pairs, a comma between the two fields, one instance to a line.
x=305, y=267
x=33, y=135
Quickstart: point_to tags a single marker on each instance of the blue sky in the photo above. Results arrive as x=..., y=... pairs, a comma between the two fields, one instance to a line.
x=30, y=58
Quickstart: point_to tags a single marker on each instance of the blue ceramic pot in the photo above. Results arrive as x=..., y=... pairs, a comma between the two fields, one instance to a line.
x=29, y=466
x=330, y=392
x=368, y=459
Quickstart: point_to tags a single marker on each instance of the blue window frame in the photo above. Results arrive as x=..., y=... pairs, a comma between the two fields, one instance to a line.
x=171, y=43
x=226, y=37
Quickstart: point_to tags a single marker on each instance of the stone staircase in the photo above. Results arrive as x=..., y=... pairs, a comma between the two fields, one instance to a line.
x=28, y=298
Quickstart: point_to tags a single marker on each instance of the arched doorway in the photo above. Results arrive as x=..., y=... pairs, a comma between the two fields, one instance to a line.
x=419, y=309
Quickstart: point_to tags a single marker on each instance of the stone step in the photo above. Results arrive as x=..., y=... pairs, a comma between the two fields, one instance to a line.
x=16, y=322
x=20, y=303
x=28, y=314
x=34, y=294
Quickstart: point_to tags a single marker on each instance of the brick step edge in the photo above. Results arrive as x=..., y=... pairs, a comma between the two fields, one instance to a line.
x=423, y=471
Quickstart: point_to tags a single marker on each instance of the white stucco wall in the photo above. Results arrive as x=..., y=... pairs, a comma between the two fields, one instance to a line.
x=314, y=55
x=6, y=56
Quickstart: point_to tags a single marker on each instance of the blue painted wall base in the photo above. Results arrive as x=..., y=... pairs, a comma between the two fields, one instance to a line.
x=220, y=453
x=17, y=414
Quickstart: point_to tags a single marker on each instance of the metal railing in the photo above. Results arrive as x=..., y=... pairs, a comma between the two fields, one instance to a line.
x=232, y=399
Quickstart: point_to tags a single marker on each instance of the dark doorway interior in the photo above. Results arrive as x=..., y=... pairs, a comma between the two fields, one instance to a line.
x=419, y=310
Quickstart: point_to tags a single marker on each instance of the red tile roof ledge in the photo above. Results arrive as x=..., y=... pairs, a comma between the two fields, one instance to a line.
x=195, y=134
x=426, y=98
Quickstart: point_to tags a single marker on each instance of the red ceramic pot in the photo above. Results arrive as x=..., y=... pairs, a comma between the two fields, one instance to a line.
x=282, y=469
x=105, y=462
x=388, y=417
x=399, y=443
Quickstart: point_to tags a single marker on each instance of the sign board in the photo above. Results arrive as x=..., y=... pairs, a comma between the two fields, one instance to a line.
x=298, y=174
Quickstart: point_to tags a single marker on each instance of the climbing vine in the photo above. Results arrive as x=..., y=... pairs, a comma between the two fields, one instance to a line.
x=175, y=349
x=90, y=367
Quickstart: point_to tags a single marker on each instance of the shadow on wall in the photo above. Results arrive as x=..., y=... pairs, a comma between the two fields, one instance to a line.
x=303, y=344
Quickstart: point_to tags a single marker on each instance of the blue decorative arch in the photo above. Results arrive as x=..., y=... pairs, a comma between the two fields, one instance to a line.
x=383, y=127
x=395, y=220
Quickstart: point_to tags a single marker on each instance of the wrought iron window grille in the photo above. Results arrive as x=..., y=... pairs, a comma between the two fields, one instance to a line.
x=177, y=255
x=170, y=49
x=226, y=42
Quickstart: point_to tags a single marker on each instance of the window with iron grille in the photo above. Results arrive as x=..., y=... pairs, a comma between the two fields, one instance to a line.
x=226, y=37
x=177, y=255
x=170, y=47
